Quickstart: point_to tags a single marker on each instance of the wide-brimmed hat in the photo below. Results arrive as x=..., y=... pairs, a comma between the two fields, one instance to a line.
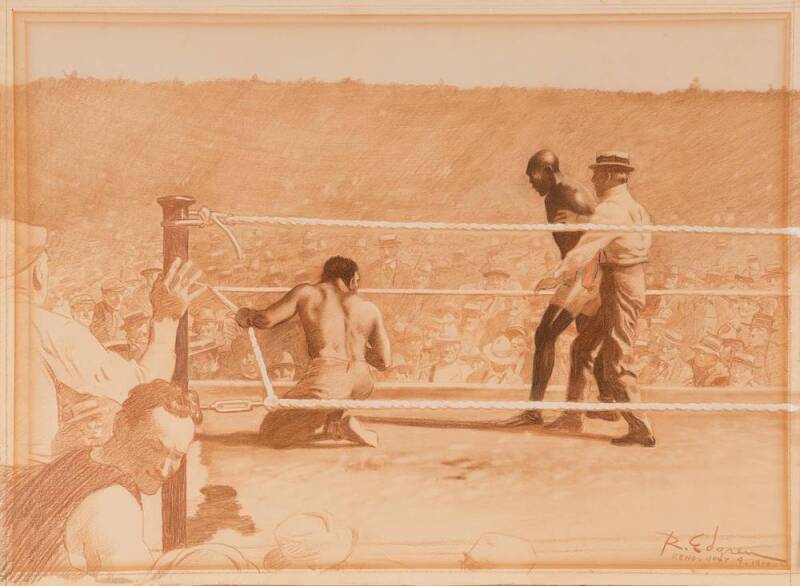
x=516, y=330
x=150, y=271
x=500, y=351
x=388, y=239
x=495, y=269
x=219, y=556
x=709, y=345
x=762, y=320
x=744, y=358
x=310, y=540
x=612, y=159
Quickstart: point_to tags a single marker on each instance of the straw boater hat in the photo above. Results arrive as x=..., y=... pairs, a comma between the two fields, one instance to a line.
x=387, y=239
x=612, y=159
x=310, y=541
x=499, y=351
x=709, y=345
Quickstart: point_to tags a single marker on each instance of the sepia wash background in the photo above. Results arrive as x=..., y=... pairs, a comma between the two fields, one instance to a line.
x=431, y=122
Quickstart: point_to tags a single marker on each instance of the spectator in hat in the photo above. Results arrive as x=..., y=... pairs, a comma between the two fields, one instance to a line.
x=502, y=361
x=204, y=361
x=769, y=359
x=205, y=324
x=675, y=371
x=743, y=369
x=707, y=367
x=389, y=272
x=449, y=368
x=82, y=309
x=754, y=271
x=137, y=334
x=517, y=333
x=107, y=323
x=69, y=370
x=139, y=298
x=282, y=370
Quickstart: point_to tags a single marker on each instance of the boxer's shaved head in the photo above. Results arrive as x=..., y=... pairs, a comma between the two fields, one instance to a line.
x=543, y=159
x=542, y=171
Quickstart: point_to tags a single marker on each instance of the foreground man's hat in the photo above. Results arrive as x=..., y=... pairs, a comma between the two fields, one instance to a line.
x=310, y=540
x=28, y=242
x=612, y=159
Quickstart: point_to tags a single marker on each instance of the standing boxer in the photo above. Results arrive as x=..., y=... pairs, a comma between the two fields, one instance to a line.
x=577, y=299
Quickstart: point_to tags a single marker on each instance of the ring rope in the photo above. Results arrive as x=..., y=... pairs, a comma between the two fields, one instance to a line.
x=272, y=401
x=223, y=218
x=240, y=405
x=517, y=292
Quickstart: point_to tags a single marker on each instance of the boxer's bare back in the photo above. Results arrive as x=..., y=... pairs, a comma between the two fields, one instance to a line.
x=338, y=323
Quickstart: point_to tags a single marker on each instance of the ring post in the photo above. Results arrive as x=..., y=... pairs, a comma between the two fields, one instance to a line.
x=173, y=493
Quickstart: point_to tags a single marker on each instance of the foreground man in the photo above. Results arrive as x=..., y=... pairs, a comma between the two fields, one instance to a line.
x=62, y=370
x=82, y=513
x=345, y=334
x=622, y=297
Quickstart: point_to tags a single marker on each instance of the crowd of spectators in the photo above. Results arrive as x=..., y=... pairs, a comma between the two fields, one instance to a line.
x=701, y=339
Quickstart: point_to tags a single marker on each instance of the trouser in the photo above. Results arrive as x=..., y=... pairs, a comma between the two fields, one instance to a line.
x=613, y=331
x=326, y=378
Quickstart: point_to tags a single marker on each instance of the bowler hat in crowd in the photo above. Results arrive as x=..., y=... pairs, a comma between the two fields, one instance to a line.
x=709, y=345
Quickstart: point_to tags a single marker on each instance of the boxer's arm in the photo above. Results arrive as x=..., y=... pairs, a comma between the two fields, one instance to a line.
x=578, y=200
x=379, y=353
x=277, y=313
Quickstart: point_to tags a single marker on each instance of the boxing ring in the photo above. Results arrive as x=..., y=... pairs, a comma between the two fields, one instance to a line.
x=179, y=218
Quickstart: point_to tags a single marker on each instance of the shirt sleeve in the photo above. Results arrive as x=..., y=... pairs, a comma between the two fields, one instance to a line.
x=592, y=242
x=79, y=361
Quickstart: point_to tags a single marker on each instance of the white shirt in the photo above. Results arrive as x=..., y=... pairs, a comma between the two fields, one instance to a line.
x=618, y=207
x=63, y=351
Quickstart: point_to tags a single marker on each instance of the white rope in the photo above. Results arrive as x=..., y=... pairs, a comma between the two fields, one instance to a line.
x=241, y=405
x=527, y=405
x=296, y=221
x=519, y=292
x=262, y=367
x=216, y=383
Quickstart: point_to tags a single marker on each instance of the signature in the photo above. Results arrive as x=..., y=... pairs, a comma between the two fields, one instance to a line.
x=707, y=544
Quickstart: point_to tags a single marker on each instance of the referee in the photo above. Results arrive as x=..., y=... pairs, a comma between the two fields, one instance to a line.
x=622, y=294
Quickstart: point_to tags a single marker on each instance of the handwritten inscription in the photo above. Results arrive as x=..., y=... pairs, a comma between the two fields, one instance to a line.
x=709, y=548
